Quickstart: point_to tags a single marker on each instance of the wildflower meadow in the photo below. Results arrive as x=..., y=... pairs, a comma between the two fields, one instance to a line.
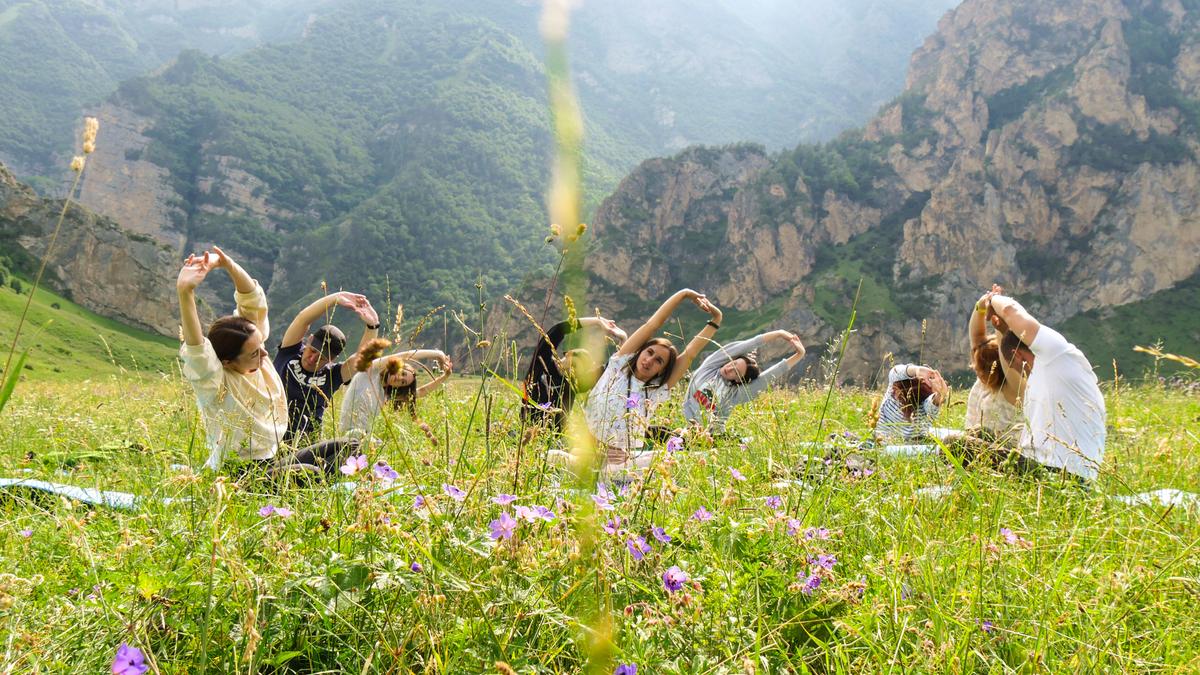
x=463, y=550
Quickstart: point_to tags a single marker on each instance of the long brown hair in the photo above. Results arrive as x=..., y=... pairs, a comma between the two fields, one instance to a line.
x=228, y=335
x=985, y=361
x=672, y=355
x=405, y=396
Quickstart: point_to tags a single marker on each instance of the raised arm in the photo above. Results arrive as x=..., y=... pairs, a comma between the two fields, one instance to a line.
x=299, y=327
x=370, y=318
x=609, y=327
x=656, y=322
x=432, y=385
x=697, y=344
x=797, y=346
x=190, y=276
x=977, y=326
x=1014, y=315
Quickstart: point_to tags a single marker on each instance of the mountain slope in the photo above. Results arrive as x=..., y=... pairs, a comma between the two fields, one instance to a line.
x=1049, y=146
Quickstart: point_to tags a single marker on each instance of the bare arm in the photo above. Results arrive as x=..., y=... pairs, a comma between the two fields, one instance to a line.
x=977, y=326
x=193, y=273
x=697, y=344
x=1014, y=315
x=797, y=345
x=370, y=318
x=656, y=322
x=432, y=385
x=608, y=325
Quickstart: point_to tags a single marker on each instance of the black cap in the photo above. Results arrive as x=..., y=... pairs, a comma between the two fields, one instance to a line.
x=329, y=340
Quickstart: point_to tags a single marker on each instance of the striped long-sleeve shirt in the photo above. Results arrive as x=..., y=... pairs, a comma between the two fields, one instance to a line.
x=891, y=424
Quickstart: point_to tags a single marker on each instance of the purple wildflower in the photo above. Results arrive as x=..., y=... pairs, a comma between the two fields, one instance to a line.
x=354, y=464
x=416, y=567
x=548, y=405
x=626, y=669
x=674, y=444
x=283, y=512
x=823, y=560
x=793, y=526
x=525, y=513
x=634, y=400
x=386, y=472
x=660, y=534
x=544, y=513
x=418, y=503
x=129, y=661
x=266, y=511
x=613, y=526
x=27, y=533
x=774, y=502
x=987, y=626
x=638, y=548
x=503, y=527
x=674, y=578
x=812, y=583
x=504, y=499
x=455, y=493
x=737, y=475
x=816, y=533
x=702, y=515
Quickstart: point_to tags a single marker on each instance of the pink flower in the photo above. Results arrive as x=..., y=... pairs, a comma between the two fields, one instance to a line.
x=354, y=464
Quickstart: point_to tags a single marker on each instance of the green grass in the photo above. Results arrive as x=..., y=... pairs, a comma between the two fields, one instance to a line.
x=208, y=583
x=69, y=343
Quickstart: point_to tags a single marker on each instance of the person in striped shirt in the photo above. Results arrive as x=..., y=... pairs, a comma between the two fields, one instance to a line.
x=913, y=399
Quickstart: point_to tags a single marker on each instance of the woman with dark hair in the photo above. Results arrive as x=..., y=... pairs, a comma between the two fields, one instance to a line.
x=553, y=380
x=638, y=378
x=242, y=404
x=731, y=377
x=993, y=404
x=913, y=399
x=391, y=379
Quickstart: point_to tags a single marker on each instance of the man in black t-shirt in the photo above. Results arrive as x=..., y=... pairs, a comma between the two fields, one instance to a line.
x=305, y=362
x=552, y=380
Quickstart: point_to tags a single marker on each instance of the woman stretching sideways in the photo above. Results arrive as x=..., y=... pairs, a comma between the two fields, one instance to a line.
x=242, y=403
x=731, y=377
x=638, y=378
x=391, y=379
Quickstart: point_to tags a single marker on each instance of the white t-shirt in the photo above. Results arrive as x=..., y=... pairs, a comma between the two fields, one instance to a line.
x=608, y=413
x=362, y=401
x=1064, y=410
x=989, y=410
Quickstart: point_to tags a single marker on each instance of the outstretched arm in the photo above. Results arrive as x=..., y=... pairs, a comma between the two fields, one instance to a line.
x=362, y=307
x=193, y=273
x=1014, y=315
x=656, y=322
x=608, y=325
x=797, y=345
x=697, y=344
x=299, y=326
x=977, y=326
x=432, y=385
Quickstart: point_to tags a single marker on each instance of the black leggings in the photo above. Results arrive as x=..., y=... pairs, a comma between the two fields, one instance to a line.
x=316, y=460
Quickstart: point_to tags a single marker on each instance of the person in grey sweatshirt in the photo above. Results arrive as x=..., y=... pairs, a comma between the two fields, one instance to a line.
x=731, y=377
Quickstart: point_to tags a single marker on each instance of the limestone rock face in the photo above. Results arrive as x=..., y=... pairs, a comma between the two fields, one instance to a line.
x=123, y=185
x=97, y=264
x=1045, y=145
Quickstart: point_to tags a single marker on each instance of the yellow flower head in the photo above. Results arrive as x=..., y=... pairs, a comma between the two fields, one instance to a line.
x=555, y=230
x=90, y=126
x=77, y=163
x=572, y=314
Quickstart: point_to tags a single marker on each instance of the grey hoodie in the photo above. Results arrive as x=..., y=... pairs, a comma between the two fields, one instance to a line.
x=710, y=399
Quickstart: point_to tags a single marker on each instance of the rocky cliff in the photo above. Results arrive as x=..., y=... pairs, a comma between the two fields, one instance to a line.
x=97, y=264
x=1049, y=146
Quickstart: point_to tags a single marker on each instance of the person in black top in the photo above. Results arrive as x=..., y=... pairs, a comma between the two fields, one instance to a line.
x=305, y=362
x=553, y=379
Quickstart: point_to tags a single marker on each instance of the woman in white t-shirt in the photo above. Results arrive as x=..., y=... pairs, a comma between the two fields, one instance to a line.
x=637, y=379
x=993, y=405
x=391, y=379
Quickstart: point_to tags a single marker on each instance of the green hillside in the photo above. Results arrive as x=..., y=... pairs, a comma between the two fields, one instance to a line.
x=69, y=343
